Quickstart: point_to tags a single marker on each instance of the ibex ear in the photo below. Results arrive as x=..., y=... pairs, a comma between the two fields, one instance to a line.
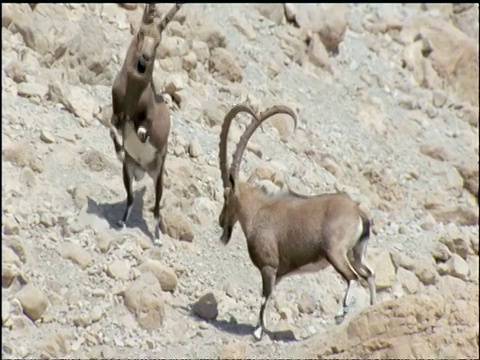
x=231, y=180
x=148, y=13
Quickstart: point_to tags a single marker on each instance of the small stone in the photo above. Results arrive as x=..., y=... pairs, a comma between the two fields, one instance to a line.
x=98, y=292
x=195, y=149
x=425, y=271
x=6, y=309
x=331, y=165
x=23, y=352
x=9, y=273
x=381, y=263
x=10, y=257
x=409, y=281
x=474, y=245
x=95, y=160
x=46, y=137
x=37, y=165
x=456, y=244
x=119, y=270
x=177, y=226
x=77, y=254
x=10, y=226
x=174, y=83
x=47, y=219
x=128, y=6
x=206, y=307
x=28, y=177
x=455, y=266
x=233, y=350
x=166, y=277
x=440, y=252
x=104, y=241
x=32, y=90
x=203, y=326
x=231, y=291
x=212, y=112
x=439, y=98
x=79, y=195
x=402, y=260
x=34, y=301
x=273, y=69
x=107, y=351
x=144, y=242
x=83, y=320
x=306, y=303
x=243, y=27
x=285, y=313
x=16, y=71
x=15, y=244
x=143, y=298
x=189, y=61
x=150, y=344
x=96, y=314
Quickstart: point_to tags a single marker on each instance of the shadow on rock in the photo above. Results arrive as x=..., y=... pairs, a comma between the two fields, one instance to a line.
x=113, y=212
x=233, y=327
x=236, y=328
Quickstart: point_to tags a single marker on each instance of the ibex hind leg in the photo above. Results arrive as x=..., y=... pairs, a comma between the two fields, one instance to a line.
x=339, y=260
x=128, y=173
x=363, y=270
x=159, y=225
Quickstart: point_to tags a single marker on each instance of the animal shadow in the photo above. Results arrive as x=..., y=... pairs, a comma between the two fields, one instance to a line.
x=113, y=212
x=236, y=328
x=247, y=330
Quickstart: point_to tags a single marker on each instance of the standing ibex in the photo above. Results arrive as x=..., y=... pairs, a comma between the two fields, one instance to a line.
x=142, y=116
x=292, y=233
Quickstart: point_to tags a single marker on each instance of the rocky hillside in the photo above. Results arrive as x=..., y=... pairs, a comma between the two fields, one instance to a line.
x=387, y=102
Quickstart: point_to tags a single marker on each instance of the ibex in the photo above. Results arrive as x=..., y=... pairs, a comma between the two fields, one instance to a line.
x=291, y=233
x=142, y=116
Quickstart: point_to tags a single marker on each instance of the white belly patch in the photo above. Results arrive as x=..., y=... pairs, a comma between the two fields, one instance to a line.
x=142, y=153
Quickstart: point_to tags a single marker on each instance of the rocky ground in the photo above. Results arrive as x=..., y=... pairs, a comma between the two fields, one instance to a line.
x=387, y=102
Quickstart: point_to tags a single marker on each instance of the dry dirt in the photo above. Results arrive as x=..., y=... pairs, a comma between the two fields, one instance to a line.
x=387, y=102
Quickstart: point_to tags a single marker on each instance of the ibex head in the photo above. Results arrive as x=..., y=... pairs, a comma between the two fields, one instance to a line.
x=149, y=37
x=232, y=187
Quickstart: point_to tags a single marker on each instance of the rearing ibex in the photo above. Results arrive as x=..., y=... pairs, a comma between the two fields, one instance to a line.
x=291, y=233
x=142, y=116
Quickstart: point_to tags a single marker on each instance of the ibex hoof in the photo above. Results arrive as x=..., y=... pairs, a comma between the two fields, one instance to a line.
x=157, y=240
x=142, y=134
x=258, y=333
x=121, y=224
x=339, y=319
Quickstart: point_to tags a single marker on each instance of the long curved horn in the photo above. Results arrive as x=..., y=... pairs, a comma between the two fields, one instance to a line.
x=237, y=156
x=168, y=17
x=148, y=13
x=234, y=111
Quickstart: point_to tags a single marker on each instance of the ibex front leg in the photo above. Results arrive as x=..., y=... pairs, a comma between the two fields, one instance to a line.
x=128, y=172
x=115, y=127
